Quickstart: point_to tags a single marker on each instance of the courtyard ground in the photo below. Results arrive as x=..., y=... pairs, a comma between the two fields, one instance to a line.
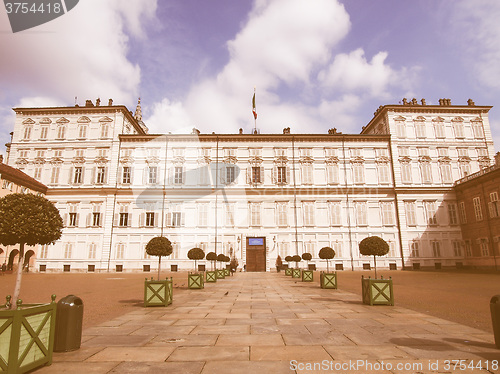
x=458, y=296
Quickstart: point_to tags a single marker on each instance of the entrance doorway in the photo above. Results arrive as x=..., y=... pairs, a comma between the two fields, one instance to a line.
x=256, y=254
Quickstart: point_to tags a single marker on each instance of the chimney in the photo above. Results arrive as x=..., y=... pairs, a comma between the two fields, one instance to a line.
x=497, y=158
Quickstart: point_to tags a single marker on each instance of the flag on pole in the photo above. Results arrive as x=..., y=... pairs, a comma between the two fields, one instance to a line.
x=254, y=109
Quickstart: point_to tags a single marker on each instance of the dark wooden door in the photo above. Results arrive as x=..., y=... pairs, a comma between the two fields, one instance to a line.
x=256, y=254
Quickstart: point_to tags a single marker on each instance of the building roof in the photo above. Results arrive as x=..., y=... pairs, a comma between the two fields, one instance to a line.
x=17, y=176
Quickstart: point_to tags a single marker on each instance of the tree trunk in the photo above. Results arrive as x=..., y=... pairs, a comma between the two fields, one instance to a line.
x=327, y=268
x=159, y=266
x=375, y=261
x=17, y=288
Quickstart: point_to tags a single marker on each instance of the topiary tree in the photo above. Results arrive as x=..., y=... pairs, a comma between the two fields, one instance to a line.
x=27, y=219
x=326, y=253
x=307, y=257
x=296, y=259
x=221, y=258
x=212, y=257
x=288, y=259
x=159, y=246
x=373, y=246
x=196, y=254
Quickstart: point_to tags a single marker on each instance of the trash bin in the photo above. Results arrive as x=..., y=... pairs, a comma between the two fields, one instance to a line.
x=69, y=318
x=495, y=318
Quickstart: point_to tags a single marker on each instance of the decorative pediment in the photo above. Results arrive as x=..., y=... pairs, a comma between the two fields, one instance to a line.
x=405, y=159
x=105, y=119
x=438, y=119
x=332, y=160
x=78, y=160
x=357, y=159
x=154, y=160
x=56, y=160
x=444, y=160
x=22, y=161
x=464, y=159
x=28, y=121
x=179, y=159
x=83, y=119
x=62, y=120
x=45, y=121
x=306, y=160
x=419, y=119
x=204, y=160
x=39, y=161
x=127, y=160
x=424, y=159
x=483, y=159
x=457, y=119
x=256, y=160
x=477, y=119
x=231, y=160
x=101, y=160
x=383, y=160
x=400, y=118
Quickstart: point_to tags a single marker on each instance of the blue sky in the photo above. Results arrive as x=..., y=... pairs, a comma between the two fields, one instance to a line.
x=315, y=64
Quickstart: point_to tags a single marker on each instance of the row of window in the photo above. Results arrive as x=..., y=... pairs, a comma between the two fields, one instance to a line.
x=175, y=217
x=421, y=129
x=61, y=132
x=478, y=248
x=493, y=208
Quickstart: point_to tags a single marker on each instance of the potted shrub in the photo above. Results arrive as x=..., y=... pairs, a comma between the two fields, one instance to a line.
x=296, y=272
x=288, y=270
x=221, y=273
x=307, y=275
x=195, y=279
x=327, y=279
x=158, y=292
x=211, y=275
x=279, y=263
x=27, y=219
x=376, y=291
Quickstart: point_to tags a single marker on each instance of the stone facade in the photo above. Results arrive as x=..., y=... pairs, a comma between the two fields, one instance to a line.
x=479, y=212
x=118, y=186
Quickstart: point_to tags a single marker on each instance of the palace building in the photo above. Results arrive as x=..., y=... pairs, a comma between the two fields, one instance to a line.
x=252, y=196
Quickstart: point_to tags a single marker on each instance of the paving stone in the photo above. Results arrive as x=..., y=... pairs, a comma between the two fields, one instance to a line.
x=245, y=367
x=210, y=354
x=224, y=329
x=159, y=367
x=250, y=340
x=158, y=354
x=171, y=340
x=78, y=367
x=288, y=353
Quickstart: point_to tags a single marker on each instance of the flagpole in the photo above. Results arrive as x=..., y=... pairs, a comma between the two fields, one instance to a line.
x=254, y=110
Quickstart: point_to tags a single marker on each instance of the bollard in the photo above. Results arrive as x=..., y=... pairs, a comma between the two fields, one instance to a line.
x=69, y=319
x=495, y=318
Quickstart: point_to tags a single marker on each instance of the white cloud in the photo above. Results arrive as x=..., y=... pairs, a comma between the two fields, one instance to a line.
x=353, y=72
x=282, y=44
x=83, y=53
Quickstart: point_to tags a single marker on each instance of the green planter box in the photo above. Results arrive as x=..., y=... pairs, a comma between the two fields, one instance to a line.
x=27, y=337
x=307, y=276
x=158, y=292
x=377, y=291
x=227, y=273
x=211, y=276
x=296, y=273
x=288, y=271
x=221, y=273
x=195, y=281
x=328, y=280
